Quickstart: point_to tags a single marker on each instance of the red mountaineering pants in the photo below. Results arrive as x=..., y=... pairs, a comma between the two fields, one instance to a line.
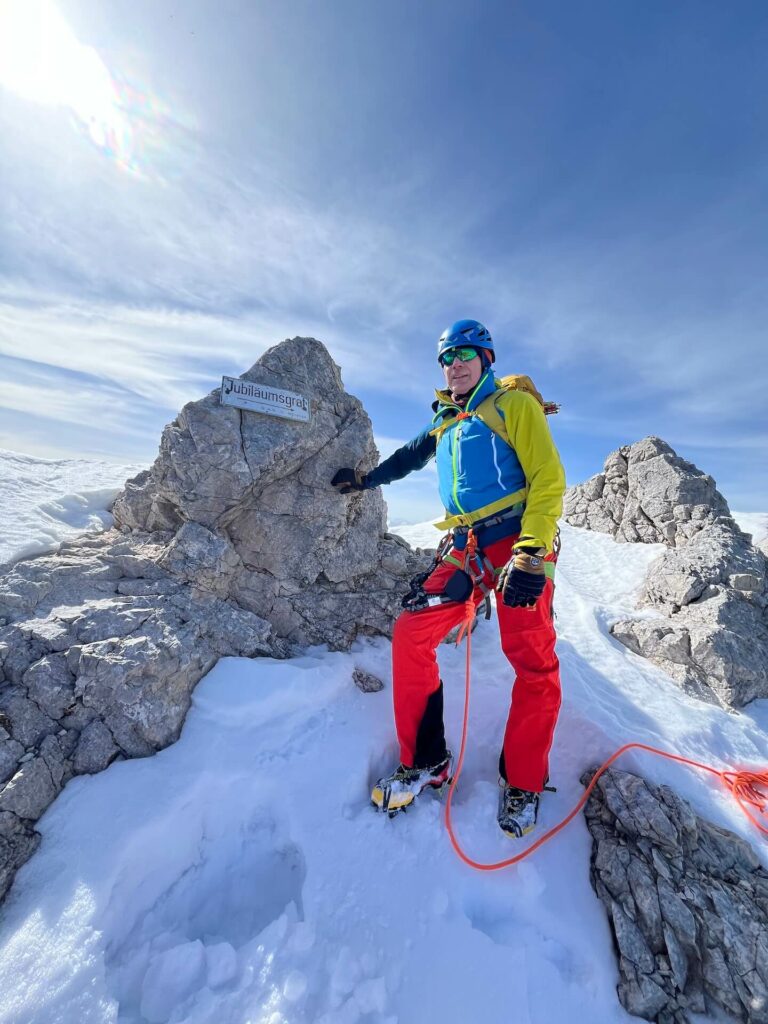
x=528, y=641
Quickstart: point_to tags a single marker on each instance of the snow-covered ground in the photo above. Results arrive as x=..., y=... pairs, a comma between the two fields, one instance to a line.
x=45, y=502
x=755, y=523
x=241, y=877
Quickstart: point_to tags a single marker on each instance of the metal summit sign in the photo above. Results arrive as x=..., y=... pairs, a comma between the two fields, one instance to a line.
x=245, y=394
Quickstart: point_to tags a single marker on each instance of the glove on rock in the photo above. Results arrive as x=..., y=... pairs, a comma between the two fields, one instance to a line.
x=348, y=480
x=522, y=579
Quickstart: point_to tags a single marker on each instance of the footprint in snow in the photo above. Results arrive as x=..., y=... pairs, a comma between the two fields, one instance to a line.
x=182, y=933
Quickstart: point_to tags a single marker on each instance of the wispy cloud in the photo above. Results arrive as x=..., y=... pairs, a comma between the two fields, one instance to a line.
x=79, y=399
x=641, y=314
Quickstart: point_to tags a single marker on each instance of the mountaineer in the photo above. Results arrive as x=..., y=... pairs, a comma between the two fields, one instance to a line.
x=501, y=482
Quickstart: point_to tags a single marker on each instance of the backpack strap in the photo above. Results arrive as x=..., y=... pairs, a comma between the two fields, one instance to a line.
x=447, y=422
x=488, y=411
x=493, y=417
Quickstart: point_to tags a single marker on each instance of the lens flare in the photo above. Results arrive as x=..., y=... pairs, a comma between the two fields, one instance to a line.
x=42, y=60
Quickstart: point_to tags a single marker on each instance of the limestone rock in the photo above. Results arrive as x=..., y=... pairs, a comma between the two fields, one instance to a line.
x=18, y=841
x=719, y=558
x=687, y=902
x=30, y=790
x=366, y=681
x=11, y=752
x=714, y=637
x=50, y=685
x=709, y=588
x=646, y=493
x=27, y=724
x=201, y=557
x=89, y=673
x=95, y=749
x=233, y=544
x=254, y=517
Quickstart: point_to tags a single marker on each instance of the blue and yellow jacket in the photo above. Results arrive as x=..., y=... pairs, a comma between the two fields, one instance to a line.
x=479, y=475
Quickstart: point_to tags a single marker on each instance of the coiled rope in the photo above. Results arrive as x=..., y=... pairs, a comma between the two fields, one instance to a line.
x=749, y=788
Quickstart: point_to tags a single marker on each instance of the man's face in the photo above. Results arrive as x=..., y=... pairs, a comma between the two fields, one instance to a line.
x=461, y=377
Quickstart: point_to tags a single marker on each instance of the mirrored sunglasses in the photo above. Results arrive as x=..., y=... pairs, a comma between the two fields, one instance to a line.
x=462, y=354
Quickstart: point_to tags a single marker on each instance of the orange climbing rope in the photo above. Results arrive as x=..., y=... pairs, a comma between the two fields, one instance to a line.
x=749, y=788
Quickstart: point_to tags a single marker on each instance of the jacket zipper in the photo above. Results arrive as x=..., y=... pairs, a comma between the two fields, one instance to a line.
x=456, y=436
x=455, y=452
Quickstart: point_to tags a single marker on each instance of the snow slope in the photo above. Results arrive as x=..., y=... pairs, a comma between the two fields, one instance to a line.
x=755, y=523
x=241, y=877
x=46, y=502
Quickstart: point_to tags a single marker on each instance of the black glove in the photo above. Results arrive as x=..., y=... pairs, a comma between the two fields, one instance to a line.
x=522, y=579
x=348, y=480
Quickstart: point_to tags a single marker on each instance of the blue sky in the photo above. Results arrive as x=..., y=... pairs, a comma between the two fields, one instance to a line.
x=589, y=180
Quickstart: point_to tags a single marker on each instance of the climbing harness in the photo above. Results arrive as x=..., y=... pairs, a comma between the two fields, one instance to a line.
x=472, y=567
x=748, y=787
x=417, y=598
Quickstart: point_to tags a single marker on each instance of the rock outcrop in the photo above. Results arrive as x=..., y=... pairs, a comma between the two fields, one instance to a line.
x=234, y=543
x=98, y=661
x=646, y=493
x=713, y=638
x=248, y=500
x=366, y=681
x=709, y=588
x=687, y=903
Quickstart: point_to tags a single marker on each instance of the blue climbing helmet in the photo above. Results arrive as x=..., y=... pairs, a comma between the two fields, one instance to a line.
x=466, y=332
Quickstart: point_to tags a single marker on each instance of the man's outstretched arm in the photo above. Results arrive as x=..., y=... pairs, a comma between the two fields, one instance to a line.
x=413, y=455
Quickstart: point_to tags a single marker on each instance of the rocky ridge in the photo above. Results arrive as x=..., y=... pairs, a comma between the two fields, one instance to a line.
x=687, y=902
x=713, y=639
x=710, y=588
x=233, y=543
x=247, y=499
x=646, y=493
x=98, y=662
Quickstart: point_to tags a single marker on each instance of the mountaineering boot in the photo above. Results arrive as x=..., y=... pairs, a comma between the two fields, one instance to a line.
x=397, y=791
x=518, y=809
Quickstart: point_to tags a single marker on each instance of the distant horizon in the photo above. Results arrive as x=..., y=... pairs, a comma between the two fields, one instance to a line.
x=398, y=505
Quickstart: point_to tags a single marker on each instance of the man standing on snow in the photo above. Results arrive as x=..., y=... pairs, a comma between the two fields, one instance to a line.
x=499, y=476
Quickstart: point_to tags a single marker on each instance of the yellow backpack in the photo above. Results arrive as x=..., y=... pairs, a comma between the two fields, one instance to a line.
x=488, y=410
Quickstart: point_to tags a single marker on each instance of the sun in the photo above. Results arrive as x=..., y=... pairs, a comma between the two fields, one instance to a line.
x=42, y=60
